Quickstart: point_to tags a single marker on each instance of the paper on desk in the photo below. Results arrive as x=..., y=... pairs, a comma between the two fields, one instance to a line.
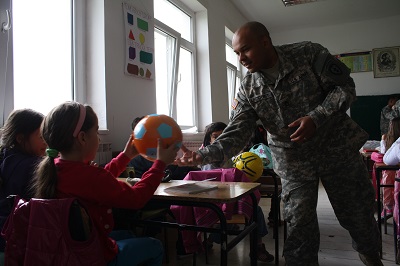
x=192, y=188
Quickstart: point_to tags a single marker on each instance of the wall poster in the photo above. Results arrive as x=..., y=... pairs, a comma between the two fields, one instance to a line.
x=386, y=62
x=357, y=62
x=139, y=48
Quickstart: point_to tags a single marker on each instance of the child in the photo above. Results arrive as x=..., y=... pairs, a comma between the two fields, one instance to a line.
x=212, y=132
x=22, y=147
x=72, y=175
x=392, y=157
x=387, y=175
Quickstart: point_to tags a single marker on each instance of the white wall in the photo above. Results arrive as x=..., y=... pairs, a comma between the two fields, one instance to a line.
x=354, y=37
x=128, y=97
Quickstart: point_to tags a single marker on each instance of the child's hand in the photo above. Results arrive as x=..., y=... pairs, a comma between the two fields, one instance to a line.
x=130, y=149
x=167, y=155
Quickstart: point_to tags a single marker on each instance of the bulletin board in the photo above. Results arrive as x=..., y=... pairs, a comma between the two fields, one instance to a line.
x=366, y=111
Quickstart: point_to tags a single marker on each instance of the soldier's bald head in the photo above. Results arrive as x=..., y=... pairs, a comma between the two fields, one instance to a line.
x=254, y=27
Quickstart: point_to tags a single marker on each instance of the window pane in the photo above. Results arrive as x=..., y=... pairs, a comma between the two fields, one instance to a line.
x=164, y=54
x=231, y=57
x=42, y=53
x=185, y=89
x=175, y=18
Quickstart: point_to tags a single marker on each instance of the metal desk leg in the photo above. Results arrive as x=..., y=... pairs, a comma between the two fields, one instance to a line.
x=378, y=193
x=254, y=233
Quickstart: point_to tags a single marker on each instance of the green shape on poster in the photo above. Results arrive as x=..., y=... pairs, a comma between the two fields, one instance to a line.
x=142, y=24
x=141, y=72
x=146, y=57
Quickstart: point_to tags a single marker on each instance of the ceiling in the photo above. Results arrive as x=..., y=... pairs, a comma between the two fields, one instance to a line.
x=276, y=17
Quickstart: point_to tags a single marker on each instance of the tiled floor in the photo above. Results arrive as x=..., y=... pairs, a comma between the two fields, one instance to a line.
x=335, y=248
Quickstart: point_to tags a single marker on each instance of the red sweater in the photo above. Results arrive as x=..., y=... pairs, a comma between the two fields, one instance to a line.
x=100, y=191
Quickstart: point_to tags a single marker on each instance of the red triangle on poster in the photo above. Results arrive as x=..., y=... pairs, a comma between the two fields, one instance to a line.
x=131, y=35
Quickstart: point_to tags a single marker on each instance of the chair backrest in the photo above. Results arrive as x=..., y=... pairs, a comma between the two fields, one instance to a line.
x=79, y=223
x=51, y=232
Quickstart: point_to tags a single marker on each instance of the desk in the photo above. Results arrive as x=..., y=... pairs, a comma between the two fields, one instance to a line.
x=379, y=167
x=367, y=159
x=227, y=192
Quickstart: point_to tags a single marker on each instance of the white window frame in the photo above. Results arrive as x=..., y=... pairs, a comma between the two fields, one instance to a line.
x=175, y=65
x=233, y=74
x=190, y=46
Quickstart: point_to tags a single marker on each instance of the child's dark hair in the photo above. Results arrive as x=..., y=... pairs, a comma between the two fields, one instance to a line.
x=21, y=121
x=393, y=132
x=136, y=121
x=58, y=130
x=213, y=127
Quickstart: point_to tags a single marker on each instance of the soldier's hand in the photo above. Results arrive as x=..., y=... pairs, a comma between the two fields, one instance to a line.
x=305, y=129
x=189, y=158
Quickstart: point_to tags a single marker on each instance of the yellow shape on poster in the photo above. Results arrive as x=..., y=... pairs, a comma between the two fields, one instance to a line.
x=142, y=38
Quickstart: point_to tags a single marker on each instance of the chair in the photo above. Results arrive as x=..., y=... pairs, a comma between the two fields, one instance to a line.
x=51, y=232
x=271, y=187
x=209, y=219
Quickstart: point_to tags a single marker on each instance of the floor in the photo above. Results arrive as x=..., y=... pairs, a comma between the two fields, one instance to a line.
x=335, y=248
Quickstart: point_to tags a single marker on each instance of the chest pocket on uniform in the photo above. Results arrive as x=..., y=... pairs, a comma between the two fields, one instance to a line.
x=267, y=108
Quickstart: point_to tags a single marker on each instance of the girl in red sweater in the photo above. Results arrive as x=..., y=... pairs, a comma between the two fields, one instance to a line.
x=71, y=132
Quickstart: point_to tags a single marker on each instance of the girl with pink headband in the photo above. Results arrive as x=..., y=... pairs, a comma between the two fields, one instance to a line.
x=70, y=130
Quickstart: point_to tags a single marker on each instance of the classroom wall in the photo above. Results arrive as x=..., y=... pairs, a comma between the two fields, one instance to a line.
x=128, y=97
x=354, y=37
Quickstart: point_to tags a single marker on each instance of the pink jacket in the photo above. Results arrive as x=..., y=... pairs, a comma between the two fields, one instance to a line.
x=37, y=233
x=206, y=217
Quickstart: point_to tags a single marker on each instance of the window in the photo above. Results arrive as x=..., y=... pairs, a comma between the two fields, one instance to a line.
x=42, y=45
x=175, y=62
x=233, y=73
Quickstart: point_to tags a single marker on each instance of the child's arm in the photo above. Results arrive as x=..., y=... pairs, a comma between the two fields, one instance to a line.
x=118, y=164
x=383, y=144
x=392, y=155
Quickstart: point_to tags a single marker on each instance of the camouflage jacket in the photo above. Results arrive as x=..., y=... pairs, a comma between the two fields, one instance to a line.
x=385, y=119
x=311, y=82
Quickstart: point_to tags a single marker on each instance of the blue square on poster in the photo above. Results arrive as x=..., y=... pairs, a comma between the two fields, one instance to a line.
x=130, y=18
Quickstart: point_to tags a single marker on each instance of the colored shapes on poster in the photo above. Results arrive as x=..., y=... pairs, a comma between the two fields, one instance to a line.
x=132, y=53
x=146, y=57
x=148, y=73
x=129, y=18
x=131, y=35
x=141, y=72
x=133, y=69
x=142, y=39
x=142, y=24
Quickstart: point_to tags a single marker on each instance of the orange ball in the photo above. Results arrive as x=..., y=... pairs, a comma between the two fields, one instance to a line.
x=153, y=127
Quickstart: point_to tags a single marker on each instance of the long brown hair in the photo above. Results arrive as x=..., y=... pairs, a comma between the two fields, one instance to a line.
x=393, y=132
x=57, y=130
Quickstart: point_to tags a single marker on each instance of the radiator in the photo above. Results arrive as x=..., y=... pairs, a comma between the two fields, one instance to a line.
x=104, y=153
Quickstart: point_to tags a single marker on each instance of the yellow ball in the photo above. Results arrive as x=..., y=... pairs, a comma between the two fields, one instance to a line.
x=250, y=163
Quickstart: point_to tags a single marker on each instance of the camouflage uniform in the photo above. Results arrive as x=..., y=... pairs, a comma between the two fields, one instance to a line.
x=310, y=82
x=386, y=116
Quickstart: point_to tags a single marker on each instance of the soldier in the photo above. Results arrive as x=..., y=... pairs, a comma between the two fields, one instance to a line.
x=300, y=93
x=388, y=113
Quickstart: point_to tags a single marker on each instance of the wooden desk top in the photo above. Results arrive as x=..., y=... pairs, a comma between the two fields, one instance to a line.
x=384, y=166
x=226, y=192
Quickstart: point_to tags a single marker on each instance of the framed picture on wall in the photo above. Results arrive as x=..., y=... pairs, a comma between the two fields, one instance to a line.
x=386, y=62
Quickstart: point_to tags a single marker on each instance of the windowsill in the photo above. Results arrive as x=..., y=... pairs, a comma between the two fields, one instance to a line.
x=103, y=131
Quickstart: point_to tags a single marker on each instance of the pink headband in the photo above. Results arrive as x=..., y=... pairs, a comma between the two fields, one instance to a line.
x=82, y=115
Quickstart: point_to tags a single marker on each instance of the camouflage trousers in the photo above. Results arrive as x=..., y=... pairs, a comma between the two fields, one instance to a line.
x=351, y=194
